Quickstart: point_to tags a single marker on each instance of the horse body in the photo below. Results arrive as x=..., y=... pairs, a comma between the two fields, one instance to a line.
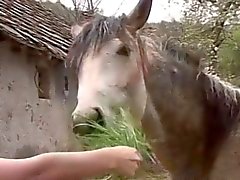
x=196, y=113
x=185, y=113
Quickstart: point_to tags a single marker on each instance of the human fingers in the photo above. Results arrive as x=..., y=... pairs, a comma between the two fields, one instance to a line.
x=136, y=156
x=132, y=168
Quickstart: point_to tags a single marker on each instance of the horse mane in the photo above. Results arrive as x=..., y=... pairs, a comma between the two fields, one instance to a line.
x=93, y=36
x=223, y=98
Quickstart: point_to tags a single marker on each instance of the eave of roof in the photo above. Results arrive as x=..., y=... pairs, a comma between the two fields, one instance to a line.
x=29, y=23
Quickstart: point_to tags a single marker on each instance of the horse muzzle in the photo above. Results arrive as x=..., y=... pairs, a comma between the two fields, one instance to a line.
x=81, y=120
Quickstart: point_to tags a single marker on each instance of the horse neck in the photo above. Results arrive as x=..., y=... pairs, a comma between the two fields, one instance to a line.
x=149, y=53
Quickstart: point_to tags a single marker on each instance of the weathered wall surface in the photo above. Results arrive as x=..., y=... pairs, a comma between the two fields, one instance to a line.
x=29, y=125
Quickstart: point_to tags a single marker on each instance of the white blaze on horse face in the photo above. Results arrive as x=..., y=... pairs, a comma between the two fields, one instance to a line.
x=104, y=79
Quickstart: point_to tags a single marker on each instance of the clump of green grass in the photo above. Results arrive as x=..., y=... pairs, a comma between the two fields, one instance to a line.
x=119, y=130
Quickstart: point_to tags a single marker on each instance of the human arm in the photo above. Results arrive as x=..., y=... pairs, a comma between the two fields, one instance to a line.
x=71, y=165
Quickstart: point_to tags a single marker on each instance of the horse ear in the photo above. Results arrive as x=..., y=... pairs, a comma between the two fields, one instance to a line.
x=195, y=58
x=75, y=30
x=139, y=15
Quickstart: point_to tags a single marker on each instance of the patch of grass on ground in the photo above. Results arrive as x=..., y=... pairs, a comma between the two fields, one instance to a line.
x=120, y=130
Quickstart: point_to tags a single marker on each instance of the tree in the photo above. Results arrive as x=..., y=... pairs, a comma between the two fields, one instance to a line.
x=60, y=10
x=229, y=55
x=90, y=6
x=207, y=24
x=83, y=9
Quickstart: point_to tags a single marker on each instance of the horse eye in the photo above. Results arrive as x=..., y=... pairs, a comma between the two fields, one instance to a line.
x=123, y=50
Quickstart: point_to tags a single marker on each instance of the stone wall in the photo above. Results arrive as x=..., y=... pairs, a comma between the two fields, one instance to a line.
x=30, y=125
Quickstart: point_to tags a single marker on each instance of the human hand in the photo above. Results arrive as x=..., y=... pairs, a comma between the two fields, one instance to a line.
x=125, y=160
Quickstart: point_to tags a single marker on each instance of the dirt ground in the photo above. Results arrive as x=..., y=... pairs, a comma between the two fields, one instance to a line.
x=153, y=172
x=146, y=172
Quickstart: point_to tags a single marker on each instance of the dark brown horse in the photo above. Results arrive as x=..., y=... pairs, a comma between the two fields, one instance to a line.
x=186, y=113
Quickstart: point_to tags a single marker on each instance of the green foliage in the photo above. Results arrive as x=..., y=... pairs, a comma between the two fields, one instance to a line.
x=207, y=23
x=119, y=130
x=230, y=55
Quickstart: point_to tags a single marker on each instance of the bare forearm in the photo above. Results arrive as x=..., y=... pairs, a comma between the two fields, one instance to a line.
x=75, y=165
x=57, y=166
x=71, y=165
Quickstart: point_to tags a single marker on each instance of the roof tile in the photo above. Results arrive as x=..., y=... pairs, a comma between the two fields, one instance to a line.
x=30, y=23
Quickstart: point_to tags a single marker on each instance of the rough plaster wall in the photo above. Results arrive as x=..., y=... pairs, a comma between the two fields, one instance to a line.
x=28, y=125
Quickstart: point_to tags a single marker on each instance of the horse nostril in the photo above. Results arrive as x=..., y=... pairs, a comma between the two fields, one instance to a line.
x=82, y=118
x=99, y=118
x=98, y=111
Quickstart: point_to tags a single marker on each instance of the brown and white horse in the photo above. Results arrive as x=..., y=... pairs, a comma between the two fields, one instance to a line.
x=186, y=113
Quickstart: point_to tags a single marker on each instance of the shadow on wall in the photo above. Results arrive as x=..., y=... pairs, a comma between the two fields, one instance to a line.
x=27, y=151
